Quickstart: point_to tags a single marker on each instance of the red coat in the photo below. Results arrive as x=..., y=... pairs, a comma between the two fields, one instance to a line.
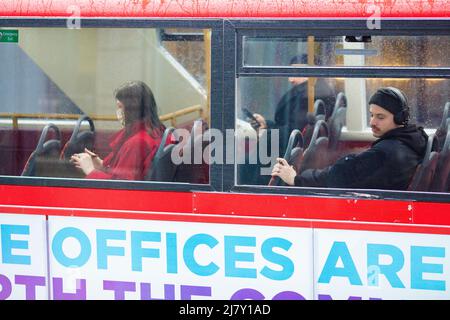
x=131, y=156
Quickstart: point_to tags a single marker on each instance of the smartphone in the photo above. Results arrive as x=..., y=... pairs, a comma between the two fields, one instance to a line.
x=255, y=124
x=248, y=114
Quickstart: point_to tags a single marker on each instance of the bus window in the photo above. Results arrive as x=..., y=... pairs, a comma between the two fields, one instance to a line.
x=389, y=51
x=281, y=105
x=187, y=46
x=319, y=110
x=56, y=75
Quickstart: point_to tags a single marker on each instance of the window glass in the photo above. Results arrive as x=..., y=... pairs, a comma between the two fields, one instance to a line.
x=281, y=105
x=395, y=51
x=187, y=46
x=56, y=75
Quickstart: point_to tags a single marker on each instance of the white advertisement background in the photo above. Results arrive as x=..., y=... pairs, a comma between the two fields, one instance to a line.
x=37, y=251
x=356, y=242
x=154, y=269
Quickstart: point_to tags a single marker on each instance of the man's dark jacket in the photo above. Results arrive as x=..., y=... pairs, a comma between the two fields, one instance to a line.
x=389, y=164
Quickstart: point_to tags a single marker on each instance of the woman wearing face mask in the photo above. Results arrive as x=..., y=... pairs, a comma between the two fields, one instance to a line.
x=135, y=145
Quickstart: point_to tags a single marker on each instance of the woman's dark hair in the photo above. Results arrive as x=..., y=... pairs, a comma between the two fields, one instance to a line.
x=139, y=105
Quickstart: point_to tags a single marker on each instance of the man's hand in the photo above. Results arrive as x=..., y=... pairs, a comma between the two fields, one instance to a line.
x=259, y=124
x=283, y=170
x=259, y=121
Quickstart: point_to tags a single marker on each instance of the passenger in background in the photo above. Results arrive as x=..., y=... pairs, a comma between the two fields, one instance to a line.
x=291, y=110
x=134, y=146
x=391, y=161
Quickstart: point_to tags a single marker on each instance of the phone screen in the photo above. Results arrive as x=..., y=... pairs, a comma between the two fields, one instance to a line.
x=255, y=124
x=248, y=114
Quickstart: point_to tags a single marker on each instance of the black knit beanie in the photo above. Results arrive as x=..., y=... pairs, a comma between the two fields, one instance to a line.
x=385, y=98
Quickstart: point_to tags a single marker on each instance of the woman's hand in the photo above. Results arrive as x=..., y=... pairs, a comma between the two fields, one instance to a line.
x=83, y=161
x=283, y=170
x=98, y=163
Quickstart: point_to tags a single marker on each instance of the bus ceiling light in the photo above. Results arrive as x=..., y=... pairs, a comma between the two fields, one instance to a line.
x=357, y=52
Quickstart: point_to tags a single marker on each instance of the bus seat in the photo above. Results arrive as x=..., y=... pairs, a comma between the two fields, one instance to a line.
x=79, y=140
x=163, y=168
x=316, y=155
x=49, y=149
x=441, y=132
x=293, y=155
x=319, y=113
x=423, y=176
x=335, y=124
x=341, y=102
x=441, y=180
x=194, y=172
x=320, y=109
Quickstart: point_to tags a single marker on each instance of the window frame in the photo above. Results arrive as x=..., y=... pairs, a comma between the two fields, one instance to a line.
x=238, y=29
x=215, y=170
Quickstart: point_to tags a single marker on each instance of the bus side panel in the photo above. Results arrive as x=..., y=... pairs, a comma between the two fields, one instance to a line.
x=23, y=257
x=93, y=258
x=167, y=256
x=366, y=265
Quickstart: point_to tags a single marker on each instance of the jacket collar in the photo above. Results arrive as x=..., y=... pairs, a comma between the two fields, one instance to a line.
x=119, y=138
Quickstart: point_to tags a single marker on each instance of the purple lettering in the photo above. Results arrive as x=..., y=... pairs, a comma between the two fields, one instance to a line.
x=5, y=284
x=119, y=288
x=247, y=293
x=30, y=283
x=288, y=295
x=146, y=292
x=59, y=294
x=328, y=297
x=188, y=291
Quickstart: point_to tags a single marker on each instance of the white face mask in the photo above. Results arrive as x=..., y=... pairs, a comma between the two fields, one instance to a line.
x=120, y=116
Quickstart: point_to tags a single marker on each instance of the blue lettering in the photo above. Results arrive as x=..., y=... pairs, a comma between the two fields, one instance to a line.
x=8, y=244
x=390, y=271
x=286, y=264
x=137, y=252
x=85, y=247
x=231, y=257
x=418, y=268
x=172, y=256
x=103, y=250
x=188, y=254
x=340, y=250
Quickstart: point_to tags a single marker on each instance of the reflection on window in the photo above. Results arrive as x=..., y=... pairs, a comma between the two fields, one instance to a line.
x=187, y=46
x=314, y=122
x=421, y=51
x=63, y=91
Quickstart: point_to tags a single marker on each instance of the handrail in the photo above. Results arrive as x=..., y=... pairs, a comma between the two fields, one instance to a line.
x=166, y=117
x=173, y=115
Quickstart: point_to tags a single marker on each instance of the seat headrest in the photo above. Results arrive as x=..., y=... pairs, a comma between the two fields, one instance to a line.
x=50, y=147
x=44, y=148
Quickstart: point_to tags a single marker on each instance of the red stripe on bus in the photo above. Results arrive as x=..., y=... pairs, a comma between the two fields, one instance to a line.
x=201, y=218
x=226, y=204
x=108, y=199
x=305, y=207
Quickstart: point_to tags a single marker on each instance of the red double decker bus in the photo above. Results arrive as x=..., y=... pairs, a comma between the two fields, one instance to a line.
x=215, y=225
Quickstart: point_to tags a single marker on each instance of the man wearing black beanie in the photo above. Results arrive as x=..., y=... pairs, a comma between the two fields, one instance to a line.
x=391, y=161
